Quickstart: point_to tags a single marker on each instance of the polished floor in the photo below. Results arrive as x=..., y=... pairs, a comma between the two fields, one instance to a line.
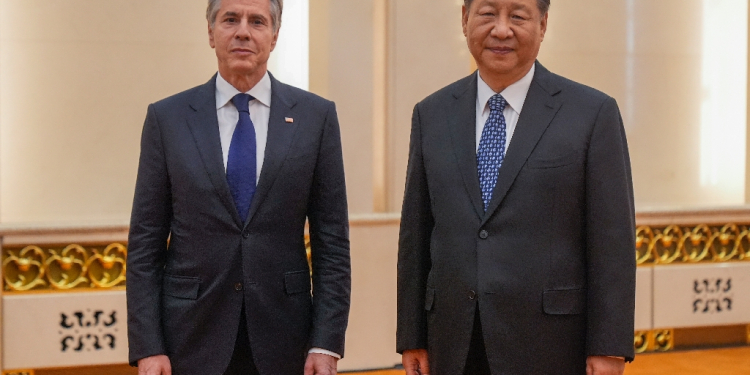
x=729, y=361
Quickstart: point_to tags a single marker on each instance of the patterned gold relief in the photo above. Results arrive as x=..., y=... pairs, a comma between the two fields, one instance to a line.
x=24, y=269
x=641, y=341
x=18, y=372
x=107, y=268
x=663, y=340
x=67, y=268
x=660, y=340
x=701, y=243
x=64, y=268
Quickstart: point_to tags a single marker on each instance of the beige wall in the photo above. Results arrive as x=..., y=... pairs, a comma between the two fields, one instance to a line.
x=75, y=79
x=341, y=69
x=651, y=56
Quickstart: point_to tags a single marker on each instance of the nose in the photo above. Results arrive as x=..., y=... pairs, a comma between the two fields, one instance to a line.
x=243, y=31
x=502, y=29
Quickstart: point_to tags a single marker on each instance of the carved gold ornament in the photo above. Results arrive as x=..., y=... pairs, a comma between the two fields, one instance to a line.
x=658, y=340
x=18, y=372
x=106, y=268
x=701, y=243
x=64, y=268
x=24, y=269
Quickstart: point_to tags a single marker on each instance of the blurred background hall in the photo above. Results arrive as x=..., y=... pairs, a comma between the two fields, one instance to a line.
x=76, y=77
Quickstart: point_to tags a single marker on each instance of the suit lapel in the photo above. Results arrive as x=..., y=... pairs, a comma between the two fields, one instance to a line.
x=462, y=124
x=204, y=126
x=538, y=111
x=280, y=136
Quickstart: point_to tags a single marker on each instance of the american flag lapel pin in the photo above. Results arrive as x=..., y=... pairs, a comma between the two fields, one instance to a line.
x=289, y=119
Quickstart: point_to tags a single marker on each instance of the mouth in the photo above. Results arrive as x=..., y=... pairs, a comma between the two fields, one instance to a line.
x=500, y=50
x=242, y=51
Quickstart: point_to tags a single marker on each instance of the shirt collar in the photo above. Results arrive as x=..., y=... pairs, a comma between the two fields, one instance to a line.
x=225, y=91
x=514, y=94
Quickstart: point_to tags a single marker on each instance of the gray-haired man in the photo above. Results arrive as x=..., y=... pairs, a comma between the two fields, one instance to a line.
x=229, y=173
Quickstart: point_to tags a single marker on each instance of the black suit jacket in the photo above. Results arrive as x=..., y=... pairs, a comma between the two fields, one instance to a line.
x=550, y=265
x=189, y=253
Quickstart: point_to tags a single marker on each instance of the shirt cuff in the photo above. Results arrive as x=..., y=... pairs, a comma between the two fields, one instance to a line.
x=326, y=352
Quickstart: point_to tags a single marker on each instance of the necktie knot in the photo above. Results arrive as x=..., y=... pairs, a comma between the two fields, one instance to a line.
x=242, y=102
x=497, y=103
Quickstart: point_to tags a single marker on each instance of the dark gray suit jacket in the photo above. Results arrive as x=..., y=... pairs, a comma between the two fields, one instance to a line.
x=551, y=263
x=189, y=252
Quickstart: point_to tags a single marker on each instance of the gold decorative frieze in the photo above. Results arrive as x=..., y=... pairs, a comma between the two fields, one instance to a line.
x=659, y=340
x=64, y=268
x=684, y=244
x=18, y=372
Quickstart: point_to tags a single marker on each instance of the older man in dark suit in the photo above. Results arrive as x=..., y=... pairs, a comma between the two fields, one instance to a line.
x=517, y=235
x=218, y=278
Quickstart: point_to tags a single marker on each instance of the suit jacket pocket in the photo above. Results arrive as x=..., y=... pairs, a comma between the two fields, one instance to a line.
x=565, y=301
x=551, y=162
x=297, y=282
x=181, y=286
x=429, y=298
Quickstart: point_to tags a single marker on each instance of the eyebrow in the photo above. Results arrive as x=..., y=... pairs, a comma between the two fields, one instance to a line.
x=230, y=13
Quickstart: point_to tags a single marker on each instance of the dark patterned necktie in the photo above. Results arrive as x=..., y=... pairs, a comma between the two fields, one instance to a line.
x=241, y=164
x=491, y=150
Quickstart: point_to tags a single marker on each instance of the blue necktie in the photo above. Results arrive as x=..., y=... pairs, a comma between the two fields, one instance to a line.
x=241, y=167
x=491, y=150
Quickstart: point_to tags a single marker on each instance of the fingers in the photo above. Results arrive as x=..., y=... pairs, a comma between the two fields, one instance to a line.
x=320, y=364
x=416, y=362
x=424, y=365
x=309, y=368
x=602, y=365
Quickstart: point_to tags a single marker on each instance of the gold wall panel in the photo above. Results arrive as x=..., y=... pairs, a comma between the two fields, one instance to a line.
x=692, y=244
x=18, y=372
x=658, y=340
x=64, y=267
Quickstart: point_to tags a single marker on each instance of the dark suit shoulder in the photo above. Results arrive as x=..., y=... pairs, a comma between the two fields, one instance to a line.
x=570, y=90
x=453, y=90
x=301, y=97
x=187, y=96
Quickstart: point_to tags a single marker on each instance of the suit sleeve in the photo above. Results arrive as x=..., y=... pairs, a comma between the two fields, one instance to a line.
x=610, y=238
x=329, y=240
x=414, y=248
x=147, y=245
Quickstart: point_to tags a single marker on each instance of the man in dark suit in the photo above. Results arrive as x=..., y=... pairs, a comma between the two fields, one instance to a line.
x=517, y=233
x=218, y=278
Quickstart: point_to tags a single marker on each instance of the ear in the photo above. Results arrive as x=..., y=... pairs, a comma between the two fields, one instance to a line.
x=211, y=36
x=464, y=18
x=544, y=24
x=275, y=37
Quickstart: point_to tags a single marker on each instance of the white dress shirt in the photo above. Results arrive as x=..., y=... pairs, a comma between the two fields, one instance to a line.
x=514, y=94
x=260, y=112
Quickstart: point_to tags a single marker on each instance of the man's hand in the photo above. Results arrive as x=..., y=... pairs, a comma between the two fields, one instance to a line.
x=601, y=365
x=415, y=362
x=320, y=364
x=154, y=365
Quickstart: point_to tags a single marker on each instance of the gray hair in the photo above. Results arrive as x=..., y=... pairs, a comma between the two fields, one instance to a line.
x=543, y=5
x=276, y=7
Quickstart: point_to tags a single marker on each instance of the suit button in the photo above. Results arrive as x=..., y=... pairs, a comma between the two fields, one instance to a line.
x=238, y=287
x=245, y=234
x=472, y=295
x=483, y=234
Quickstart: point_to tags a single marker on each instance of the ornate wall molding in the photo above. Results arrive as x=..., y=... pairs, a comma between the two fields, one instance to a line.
x=692, y=244
x=61, y=268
